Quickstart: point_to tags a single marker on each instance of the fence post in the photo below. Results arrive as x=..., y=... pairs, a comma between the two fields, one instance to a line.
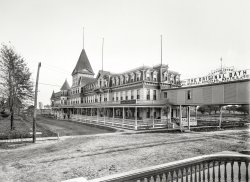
x=220, y=116
x=136, y=119
x=113, y=119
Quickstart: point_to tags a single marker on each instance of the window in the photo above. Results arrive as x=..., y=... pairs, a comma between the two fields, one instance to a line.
x=165, y=95
x=132, y=97
x=138, y=94
x=116, y=98
x=189, y=95
x=148, y=113
x=121, y=98
x=148, y=94
x=127, y=94
x=154, y=95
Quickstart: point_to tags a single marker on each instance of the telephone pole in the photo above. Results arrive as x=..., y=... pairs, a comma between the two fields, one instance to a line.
x=35, y=104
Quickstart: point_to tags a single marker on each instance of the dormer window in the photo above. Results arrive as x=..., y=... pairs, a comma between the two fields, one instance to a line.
x=117, y=81
x=138, y=76
x=148, y=76
x=155, y=75
x=126, y=78
x=121, y=79
x=132, y=77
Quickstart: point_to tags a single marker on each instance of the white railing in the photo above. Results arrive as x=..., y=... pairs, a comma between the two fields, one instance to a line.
x=123, y=123
x=215, y=167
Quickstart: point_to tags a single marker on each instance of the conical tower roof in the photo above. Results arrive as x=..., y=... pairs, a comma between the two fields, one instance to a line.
x=83, y=65
x=65, y=86
x=53, y=95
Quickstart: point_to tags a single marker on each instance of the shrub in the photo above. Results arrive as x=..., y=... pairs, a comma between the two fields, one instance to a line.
x=4, y=114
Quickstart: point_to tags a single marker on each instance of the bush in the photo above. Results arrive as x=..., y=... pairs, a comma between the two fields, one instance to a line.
x=4, y=114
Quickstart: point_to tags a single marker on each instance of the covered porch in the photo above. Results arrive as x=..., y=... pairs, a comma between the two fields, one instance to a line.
x=129, y=117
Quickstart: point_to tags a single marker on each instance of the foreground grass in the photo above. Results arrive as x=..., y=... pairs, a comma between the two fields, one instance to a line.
x=23, y=128
x=96, y=156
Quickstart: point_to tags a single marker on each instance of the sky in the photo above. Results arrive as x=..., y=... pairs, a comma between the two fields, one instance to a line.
x=196, y=34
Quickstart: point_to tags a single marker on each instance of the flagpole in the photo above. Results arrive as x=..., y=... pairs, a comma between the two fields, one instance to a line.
x=83, y=39
x=102, y=51
x=161, y=50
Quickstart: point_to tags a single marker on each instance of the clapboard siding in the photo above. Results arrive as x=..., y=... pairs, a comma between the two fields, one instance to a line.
x=217, y=94
x=222, y=94
x=243, y=92
x=230, y=93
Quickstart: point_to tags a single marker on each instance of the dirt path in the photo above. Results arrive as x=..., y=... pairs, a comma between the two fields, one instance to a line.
x=66, y=128
x=95, y=156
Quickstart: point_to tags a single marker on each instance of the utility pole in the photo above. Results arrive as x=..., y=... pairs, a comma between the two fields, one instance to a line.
x=35, y=104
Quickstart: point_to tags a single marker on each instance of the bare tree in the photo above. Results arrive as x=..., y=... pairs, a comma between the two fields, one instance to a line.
x=14, y=79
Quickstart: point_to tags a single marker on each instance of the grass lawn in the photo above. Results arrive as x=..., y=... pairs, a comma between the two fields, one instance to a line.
x=22, y=129
x=101, y=155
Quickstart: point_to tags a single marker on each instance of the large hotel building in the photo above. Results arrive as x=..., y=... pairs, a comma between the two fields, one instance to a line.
x=141, y=98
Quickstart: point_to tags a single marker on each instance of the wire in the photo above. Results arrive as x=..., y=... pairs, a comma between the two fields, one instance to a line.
x=53, y=68
x=49, y=84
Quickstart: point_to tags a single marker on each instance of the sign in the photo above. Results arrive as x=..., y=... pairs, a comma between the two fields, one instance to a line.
x=193, y=121
x=220, y=75
x=128, y=101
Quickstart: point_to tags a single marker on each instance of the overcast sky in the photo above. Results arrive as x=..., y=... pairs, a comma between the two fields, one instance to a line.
x=196, y=33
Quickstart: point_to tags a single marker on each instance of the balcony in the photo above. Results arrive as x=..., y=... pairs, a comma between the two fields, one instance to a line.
x=123, y=103
x=227, y=166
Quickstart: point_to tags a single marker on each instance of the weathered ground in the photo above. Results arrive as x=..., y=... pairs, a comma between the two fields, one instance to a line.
x=66, y=128
x=100, y=155
x=48, y=127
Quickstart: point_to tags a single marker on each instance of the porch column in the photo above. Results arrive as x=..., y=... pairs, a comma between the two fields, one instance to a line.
x=97, y=114
x=170, y=114
x=152, y=112
x=180, y=117
x=135, y=118
x=188, y=116
x=113, y=116
x=104, y=112
x=81, y=114
x=77, y=111
x=221, y=108
x=123, y=115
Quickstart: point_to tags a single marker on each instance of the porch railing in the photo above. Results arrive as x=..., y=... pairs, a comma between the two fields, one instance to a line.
x=216, y=167
x=123, y=123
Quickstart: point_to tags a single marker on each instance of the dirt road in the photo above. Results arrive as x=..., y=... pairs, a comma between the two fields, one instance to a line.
x=96, y=156
x=66, y=128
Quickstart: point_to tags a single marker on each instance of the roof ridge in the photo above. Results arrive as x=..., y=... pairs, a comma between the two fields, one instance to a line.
x=65, y=85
